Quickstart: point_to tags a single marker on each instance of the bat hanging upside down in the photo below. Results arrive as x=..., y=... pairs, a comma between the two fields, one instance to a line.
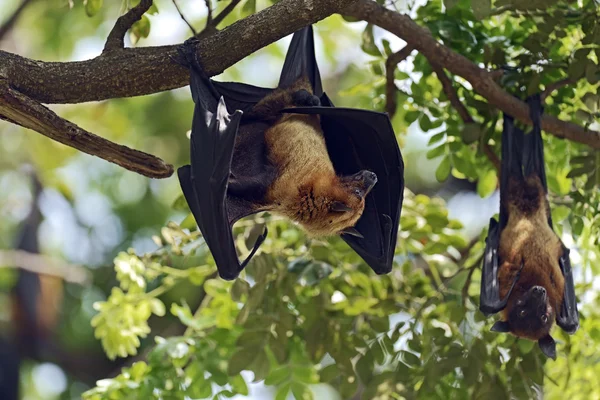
x=526, y=270
x=335, y=171
x=303, y=185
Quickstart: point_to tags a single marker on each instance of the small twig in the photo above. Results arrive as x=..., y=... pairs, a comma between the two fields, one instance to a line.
x=44, y=265
x=116, y=37
x=209, y=16
x=184, y=19
x=554, y=86
x=10, y=22
x=452, y=95
x=26, y=112
x=390, y=68
x=226, y=11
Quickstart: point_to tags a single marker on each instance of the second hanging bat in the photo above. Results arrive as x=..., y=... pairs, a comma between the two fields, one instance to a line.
x=526, y=269
x=334, y=171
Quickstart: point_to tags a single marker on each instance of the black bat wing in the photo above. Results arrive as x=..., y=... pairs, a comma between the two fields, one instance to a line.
x=489, y=295
x=205, y=181
x=360, y=139
x=533, y=161
x=299, y=61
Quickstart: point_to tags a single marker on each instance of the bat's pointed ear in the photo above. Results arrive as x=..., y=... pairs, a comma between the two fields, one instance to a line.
x=340, y=206
x=500, y=326
x=548, y=346
x=353, y=232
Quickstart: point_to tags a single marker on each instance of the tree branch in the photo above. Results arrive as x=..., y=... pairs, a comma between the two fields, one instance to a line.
x=452, y=96
x=209, y=15
x=116, y=36
x=10, y=22
x=44, y=265
x=184, y=19
x=21, y=110
x=226, y=11
x=140, y=71
x=555, y=86
x=481, y=80
x=390, y=68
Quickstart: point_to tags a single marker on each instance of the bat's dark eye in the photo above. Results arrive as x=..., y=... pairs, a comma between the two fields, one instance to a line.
x=544, y=318
x=522, y=313
x=358, y=192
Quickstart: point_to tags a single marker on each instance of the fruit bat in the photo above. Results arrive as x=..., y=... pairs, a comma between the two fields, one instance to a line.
x=334, y=171
x=526, y=269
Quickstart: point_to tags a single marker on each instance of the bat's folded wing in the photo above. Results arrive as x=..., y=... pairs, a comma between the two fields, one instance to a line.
x=489, y=298
x=204, y=184
x=360, y=139
x=568, y=317
x=240, y=96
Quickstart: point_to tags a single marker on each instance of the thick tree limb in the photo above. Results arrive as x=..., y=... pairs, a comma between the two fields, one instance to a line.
x=390, y=69
x=452, y=96
x=481, y=80
x=116, y=37
x=141, y=71
x=21, y=110
x=10, y=22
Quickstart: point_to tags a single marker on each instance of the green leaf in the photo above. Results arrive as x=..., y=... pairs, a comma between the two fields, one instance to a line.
x=180, y=204
x=260, y=366
x=443, y=170
x=410, y=358
x=301, y=391
x=241, y=360
x=425, y=123
x=140, y=29
x=438, y=137
x=92, y=7
x=238, y=384
x=436, y=152
x=411, y=116
x=278, y=376
x=451, y=3
x=368, y=42
x=471, y=132
x=329, y=373
x=487, y=183
x=239, y=288
x=283, y=391
x=249, y=7
x=481, y=8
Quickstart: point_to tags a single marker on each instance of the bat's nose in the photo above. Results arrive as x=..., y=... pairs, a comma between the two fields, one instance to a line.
x=538, y=290
x=539, y=293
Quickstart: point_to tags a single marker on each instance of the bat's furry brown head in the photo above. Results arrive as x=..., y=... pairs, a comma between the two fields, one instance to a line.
x=529, y=315
x=332, y=206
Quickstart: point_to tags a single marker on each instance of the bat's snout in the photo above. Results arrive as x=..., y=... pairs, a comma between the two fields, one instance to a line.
x=538, y=296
